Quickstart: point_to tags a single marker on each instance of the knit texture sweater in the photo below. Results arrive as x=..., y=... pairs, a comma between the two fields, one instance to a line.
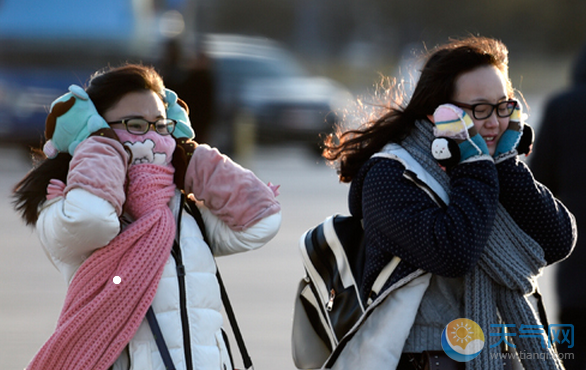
x=394, y=210
x=442, y=302
x=449, y=242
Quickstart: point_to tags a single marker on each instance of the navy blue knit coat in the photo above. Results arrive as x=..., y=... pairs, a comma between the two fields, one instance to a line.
x=401, y=219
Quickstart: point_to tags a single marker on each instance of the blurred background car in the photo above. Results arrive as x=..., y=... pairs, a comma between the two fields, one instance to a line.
x=257, y=84
x=260, y=83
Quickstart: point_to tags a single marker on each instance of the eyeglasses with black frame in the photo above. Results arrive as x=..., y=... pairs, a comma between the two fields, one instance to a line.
x=140, y=126
x=484, y=110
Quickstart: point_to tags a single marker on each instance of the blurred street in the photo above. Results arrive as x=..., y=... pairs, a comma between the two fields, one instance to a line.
x=261, y=284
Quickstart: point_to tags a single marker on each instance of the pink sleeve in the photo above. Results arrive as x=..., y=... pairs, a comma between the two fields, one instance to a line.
x=99, y=166
x=231, y=192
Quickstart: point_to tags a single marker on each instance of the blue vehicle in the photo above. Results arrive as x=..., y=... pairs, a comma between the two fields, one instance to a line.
x=257, y=79
x=47, y=45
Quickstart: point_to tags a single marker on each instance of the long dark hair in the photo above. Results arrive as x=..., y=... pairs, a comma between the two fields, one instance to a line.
x=105, y=88
x=349, y=150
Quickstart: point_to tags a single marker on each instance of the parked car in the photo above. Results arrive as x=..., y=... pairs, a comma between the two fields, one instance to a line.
x=259, y=81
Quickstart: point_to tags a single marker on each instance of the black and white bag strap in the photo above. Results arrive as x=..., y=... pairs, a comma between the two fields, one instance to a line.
x=382, y=278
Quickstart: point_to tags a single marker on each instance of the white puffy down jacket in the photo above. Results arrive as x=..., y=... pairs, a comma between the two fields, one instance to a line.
x=90, y=222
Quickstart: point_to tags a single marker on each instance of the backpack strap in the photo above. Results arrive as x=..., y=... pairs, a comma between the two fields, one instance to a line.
x=152, y=318
x=195, y=212
x=382, y=277
x=158, y=334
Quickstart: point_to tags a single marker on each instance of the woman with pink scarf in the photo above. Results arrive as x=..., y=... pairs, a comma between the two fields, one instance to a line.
x=109, y=202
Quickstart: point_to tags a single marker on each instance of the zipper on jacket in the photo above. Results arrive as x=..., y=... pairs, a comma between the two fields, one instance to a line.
x=176, y=252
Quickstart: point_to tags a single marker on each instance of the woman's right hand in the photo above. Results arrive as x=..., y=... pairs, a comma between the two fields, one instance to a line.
x=456, y=137
x=99, y=166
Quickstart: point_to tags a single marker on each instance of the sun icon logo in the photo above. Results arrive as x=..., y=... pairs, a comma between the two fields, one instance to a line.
x=462, y=333
x=462, y=340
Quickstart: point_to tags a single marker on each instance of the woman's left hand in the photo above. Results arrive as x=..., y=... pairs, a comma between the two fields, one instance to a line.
x=457, y=140
x=509, y=141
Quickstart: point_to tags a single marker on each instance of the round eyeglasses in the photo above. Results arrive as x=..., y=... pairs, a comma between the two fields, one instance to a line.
x=484, y=110
x=140, y=126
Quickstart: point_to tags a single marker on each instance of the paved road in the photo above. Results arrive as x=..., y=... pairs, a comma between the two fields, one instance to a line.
x=261, y=284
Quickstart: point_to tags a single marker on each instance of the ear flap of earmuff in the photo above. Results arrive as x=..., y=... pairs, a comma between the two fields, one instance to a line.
x=73, y=117
x=176, y=111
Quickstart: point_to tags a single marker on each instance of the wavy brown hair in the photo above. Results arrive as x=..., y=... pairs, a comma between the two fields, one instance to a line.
x=105, y=88
x=348, y=150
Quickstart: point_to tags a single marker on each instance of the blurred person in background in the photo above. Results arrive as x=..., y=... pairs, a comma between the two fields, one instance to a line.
x=558, y=162
x=193, y=81
x=108, y=199
x=437, y=182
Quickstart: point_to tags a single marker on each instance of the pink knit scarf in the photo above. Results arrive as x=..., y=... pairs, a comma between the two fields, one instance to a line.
x=100, y=317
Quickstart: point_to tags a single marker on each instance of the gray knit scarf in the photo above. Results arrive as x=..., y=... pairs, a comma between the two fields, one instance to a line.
x=506, y=275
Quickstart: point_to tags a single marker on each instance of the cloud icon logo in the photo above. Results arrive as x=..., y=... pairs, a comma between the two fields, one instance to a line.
x=462, y=340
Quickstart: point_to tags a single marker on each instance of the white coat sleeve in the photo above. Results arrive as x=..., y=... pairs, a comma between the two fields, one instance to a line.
x=71, y=228
x=225, y=241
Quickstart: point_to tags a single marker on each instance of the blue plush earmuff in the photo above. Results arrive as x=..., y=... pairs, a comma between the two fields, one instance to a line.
x=175, y=111
x=73, y=117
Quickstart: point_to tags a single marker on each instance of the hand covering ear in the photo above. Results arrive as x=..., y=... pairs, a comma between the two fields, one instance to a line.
x=456, y=137
x=517, y=139
x=99, y=166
